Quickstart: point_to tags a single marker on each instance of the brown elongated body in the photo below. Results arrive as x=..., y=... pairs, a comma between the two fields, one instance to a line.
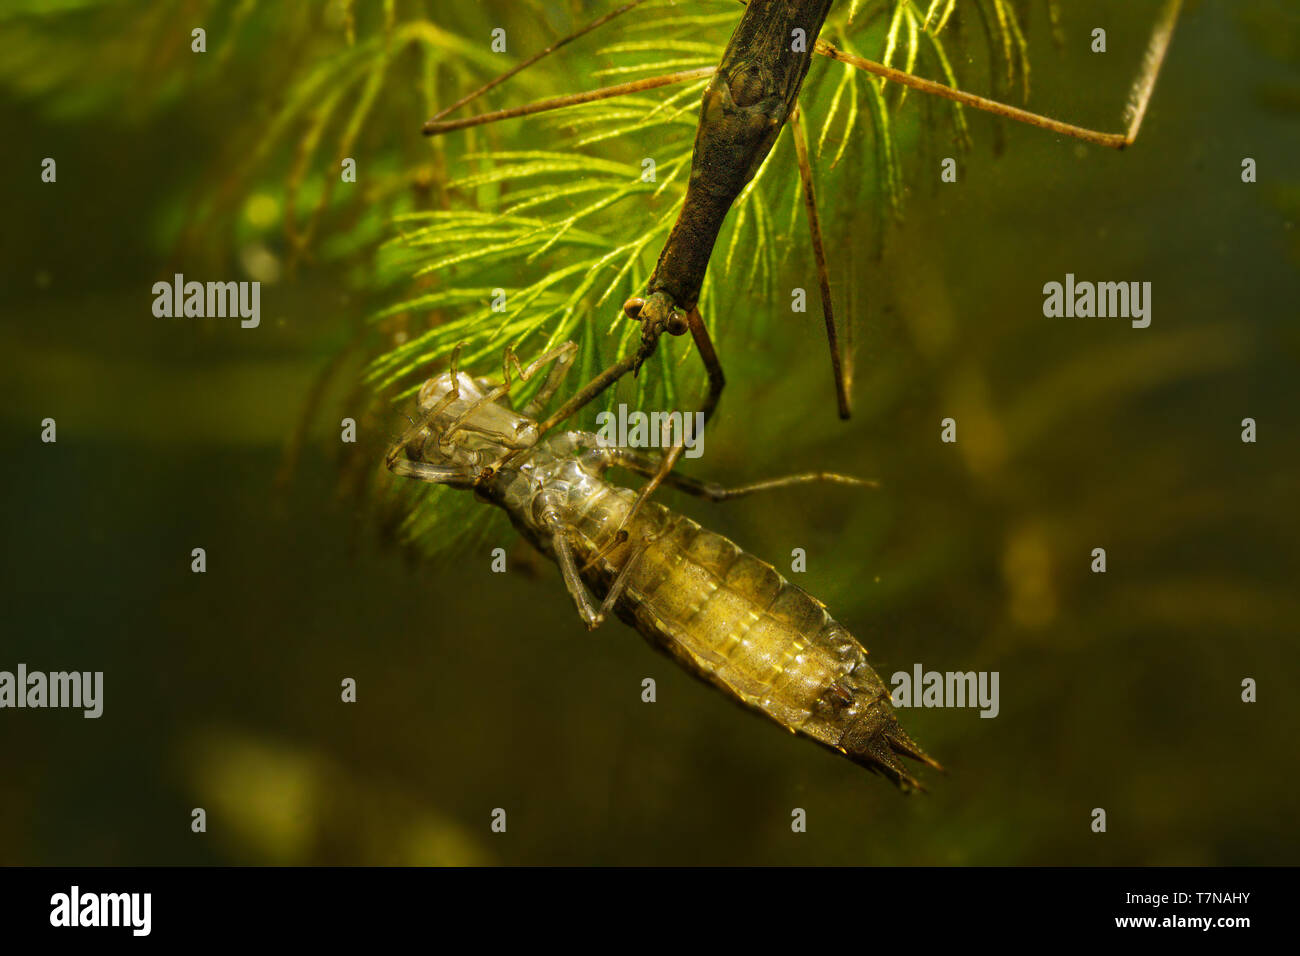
x=745, y=105
x=752, y=92
x=722, y=613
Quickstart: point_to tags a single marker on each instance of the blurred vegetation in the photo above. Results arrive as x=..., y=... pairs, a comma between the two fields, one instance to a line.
x=479, y=690
x=569, y=230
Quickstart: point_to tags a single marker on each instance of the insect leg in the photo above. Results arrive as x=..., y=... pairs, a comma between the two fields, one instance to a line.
x=717, y=380
x=621, y=579
x=592, y=615
x=661, y=471
x=598, y=22
x=436, y=474
x=590, y=391
x=572, y=580
x=643, y=465
x=843, y=373
x=396, y=456
x=633, y=361
x=1139, y=97
x=563, y=356
x=712, y=367
x=438, y=127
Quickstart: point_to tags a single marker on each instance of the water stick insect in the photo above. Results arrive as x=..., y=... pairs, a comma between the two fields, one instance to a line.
x=753, y=92
x=724, y=615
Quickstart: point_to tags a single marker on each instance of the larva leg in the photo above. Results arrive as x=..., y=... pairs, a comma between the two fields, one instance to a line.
x=396, y=459
x=431, y=473
x=621, y=579
x=582, y=598
x=591, y=615
x=643, y=465
x=563, y=356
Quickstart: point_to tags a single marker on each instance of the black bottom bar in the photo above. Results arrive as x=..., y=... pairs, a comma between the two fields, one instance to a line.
x=845, y=905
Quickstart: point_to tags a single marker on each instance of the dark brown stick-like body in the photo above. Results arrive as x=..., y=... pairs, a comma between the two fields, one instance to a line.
x=745, y=105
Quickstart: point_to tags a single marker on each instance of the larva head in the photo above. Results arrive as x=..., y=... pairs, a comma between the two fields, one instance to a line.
x=461, y=430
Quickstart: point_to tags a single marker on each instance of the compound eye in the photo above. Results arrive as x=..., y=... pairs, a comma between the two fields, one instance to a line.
x=633, y=306
x=677, y=324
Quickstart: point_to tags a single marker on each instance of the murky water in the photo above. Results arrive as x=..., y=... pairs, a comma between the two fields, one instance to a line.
x=478, y=691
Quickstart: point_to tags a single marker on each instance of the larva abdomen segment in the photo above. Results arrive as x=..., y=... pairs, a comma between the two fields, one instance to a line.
x=736, y=622
x=733, y=620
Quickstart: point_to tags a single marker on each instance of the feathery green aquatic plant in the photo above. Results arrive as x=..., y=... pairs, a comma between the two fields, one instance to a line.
x=557, y=232
x=550, y=209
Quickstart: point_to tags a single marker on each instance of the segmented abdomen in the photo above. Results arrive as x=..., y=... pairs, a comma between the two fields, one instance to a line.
x=733, y=620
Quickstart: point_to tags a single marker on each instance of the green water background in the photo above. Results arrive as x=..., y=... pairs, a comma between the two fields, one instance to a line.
x=478, y=691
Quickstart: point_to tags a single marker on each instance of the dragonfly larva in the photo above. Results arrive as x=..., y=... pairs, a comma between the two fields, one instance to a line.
x=722, y=613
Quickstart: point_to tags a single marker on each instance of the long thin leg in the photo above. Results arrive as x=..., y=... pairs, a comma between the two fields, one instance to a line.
x=819, y=254
x=661, y=472
x=591, y=615
x=644, y=465
x=717, y=381
x=619, y=583
x=562, y=355
x=1138, y=98
x=438, y=127
x=633, y=361
x=712, y=367
x=590, y=391
x=436, y=474
x=395, y=457
x=1145, y=84
x=704, y=345
x=582, y=598
x=469, y=97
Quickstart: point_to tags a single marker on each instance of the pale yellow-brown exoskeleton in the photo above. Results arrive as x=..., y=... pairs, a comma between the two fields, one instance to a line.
x=722, y=613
